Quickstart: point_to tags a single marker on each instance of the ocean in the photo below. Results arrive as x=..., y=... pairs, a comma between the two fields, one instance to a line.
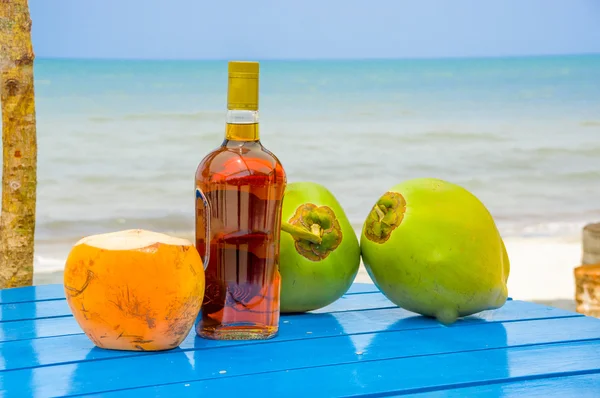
x=119, y=141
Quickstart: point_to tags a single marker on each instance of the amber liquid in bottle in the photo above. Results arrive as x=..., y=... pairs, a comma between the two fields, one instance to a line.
x=243, y=184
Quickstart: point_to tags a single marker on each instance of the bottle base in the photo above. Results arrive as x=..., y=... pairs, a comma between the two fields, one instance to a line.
x=237, y=333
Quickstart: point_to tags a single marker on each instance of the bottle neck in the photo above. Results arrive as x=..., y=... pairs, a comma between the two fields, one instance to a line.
x=242, y=125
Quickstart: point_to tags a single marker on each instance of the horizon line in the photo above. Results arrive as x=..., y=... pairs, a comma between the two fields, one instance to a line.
x=457, y=57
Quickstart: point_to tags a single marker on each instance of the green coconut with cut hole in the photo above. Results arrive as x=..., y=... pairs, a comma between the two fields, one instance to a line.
x=319, y=252
x=433, y=248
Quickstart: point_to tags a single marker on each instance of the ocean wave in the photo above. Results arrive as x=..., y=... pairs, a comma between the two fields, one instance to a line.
x=560, y=151
x=517, y=229
x=200, y=115
x=426, y=137
x=561, y=229
x=447, y=135
x=43, y=264
x=63, y=231
x=52, y=254
x=51, y=251
x=590, y=123
x=556, y=177
x=589, y=175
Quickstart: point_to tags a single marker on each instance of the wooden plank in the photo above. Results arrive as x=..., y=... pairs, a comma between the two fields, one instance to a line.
x=580, y=386
x=38, y=328
x=357, y=302
x=341, y=355
x=32, y=293
x=45, y=309
x=77, y=348
x=375, y=377
x=351, y=321
x=33, y=310
x=56, y=292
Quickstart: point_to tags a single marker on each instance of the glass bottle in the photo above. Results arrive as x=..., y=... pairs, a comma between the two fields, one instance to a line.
x=239, y=189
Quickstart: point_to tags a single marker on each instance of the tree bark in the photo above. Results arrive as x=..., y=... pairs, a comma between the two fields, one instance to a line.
x=19, y=170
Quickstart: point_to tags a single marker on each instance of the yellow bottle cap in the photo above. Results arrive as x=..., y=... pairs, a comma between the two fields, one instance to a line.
x=242, y=90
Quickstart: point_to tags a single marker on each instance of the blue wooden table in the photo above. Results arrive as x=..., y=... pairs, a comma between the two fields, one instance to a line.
x=361, y=345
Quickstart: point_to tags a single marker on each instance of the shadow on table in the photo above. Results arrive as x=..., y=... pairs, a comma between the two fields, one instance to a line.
x=304, y=340
x=465, y=351
x=135, y=371
x=211, y=358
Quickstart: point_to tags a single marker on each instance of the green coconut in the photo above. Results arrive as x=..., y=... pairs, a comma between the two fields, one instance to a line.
x=319, y=252
x=433, y=248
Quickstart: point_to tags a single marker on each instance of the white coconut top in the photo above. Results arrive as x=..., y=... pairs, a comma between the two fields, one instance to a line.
x=131, y=239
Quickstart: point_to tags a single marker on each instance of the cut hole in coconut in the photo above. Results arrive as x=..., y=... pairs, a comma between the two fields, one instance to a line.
x=131, y=239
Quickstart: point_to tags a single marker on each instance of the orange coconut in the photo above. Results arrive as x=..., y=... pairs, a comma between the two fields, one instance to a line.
x=134, y=290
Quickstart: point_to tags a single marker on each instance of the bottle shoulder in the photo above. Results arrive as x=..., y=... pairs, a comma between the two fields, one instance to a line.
x=234, y=161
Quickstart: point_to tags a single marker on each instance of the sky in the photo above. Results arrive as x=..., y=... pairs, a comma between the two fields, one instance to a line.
x=312, y=29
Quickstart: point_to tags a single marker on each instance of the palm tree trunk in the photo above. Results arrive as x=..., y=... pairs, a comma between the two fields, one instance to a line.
x=19, y=167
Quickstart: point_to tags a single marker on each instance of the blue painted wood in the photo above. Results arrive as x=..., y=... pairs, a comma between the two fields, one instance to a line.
x=239, y=360
x=32, y=293
x=66, y=325
x=56, y=292
x=78, y=348
x=56, y=308
x=362, y=344
x=402, y=375
x=33, y=310
x=357, y=302
x=580, y=386
x=38, y=328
